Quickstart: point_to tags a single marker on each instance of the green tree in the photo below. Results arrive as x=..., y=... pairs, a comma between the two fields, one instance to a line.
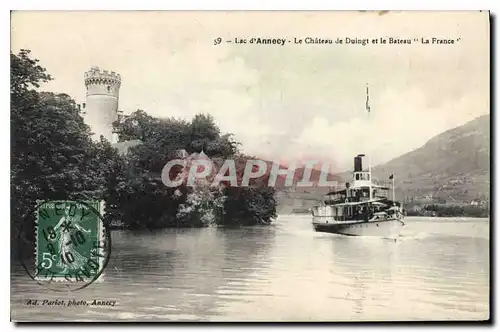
x=142, y=200
x=53, y=157
x=205, y=136
x=139, y=125
x=252, y=205
x=25, y=74
x=146, y=202
x=52, y=154
x=204, y=206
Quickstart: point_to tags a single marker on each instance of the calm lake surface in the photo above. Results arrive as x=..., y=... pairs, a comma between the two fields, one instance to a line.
x=437, y=270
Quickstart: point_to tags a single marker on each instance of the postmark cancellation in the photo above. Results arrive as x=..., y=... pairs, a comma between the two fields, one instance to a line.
x=70, y=242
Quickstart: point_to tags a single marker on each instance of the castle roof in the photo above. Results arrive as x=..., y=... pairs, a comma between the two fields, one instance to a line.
x=95, y=73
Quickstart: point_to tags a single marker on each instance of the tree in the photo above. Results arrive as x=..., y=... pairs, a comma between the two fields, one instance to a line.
x=255, y=204
x=52, y=154
x=146, y=202
x=25, y=74
x=249, y=206
x=205, y=136
x=204, y=206
x=54, y=158
x=138, y=125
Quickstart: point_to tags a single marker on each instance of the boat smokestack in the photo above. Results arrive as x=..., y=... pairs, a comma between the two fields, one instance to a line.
x=358, y=164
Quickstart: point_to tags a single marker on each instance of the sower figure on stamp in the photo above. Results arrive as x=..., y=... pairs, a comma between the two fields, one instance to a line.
x=67, y=229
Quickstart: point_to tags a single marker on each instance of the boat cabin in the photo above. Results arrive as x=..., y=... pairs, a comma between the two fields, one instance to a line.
x=356, y=194
x=359, y=200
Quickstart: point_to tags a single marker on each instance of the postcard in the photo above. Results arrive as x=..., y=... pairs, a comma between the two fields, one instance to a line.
x=264, y=166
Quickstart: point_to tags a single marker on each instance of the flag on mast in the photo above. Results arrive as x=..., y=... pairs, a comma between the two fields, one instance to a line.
x=367, y=99
x=393, y=189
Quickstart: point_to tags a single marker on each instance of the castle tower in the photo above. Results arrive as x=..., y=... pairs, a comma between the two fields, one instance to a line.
x=101, y=108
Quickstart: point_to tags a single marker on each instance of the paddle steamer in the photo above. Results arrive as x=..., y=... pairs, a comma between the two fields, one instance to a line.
x=363, y=208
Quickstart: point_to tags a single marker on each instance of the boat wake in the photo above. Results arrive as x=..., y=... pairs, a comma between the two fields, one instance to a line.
x=415, y=236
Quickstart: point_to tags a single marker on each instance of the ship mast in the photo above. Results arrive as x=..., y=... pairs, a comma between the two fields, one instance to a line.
x=369, y=152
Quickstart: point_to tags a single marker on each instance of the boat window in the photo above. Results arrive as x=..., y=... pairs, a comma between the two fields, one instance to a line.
x=368, y=177
x=357, y=176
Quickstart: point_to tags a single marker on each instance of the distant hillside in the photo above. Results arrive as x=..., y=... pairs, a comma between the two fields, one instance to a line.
x=300, y=198
x=452, y=167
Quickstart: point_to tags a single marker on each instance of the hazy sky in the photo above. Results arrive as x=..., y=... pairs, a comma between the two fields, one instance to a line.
x=287, y=102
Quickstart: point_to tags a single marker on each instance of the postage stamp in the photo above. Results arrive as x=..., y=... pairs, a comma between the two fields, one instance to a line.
x=69, y=241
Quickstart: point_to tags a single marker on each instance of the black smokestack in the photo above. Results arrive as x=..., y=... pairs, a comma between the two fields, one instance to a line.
x=358, y=166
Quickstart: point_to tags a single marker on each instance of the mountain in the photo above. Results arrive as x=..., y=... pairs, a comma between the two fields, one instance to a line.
x=298, y=198
x=452, y=167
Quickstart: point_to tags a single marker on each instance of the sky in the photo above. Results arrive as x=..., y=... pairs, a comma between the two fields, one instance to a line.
x=285, y=103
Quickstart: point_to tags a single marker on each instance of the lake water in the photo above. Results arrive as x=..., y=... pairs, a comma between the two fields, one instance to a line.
x=437, y=270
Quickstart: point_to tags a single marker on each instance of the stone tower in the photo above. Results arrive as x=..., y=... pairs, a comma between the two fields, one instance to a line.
x=101, y=108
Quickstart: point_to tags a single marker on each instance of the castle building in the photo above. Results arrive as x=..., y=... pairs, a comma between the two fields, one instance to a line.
x=101, y=106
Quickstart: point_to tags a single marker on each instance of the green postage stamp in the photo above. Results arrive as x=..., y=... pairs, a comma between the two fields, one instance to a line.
x=69, y=241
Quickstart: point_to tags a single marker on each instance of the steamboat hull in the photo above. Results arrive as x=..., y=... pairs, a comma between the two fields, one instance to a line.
x=388, y=228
